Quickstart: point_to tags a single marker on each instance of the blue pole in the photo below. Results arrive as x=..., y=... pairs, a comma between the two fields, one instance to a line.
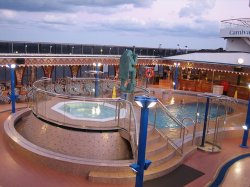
x=245, y=135
x=142, y=144
x=96, y=81
x=205, y=123
x=13, y=97
x=176, y=77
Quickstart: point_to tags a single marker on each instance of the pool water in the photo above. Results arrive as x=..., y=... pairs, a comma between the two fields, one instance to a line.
x=181, y=111
x=92, y=111
x=88, y=110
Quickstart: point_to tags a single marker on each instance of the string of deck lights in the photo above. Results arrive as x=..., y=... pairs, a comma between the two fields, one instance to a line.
x=183, y=68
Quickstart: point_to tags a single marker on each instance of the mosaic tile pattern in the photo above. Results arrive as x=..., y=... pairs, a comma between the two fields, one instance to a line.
x=91, y=145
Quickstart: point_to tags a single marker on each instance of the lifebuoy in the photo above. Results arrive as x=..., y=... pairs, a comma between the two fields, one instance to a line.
x=149, y=73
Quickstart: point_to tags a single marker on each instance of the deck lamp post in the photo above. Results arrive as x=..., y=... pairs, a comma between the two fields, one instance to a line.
x=12, y=96
x=176, y=72
x=26, y=48
x=145, y=103
x=239, y=68
x=246, y=126
x=205, y=122
x=50, y=47
x=97, y=65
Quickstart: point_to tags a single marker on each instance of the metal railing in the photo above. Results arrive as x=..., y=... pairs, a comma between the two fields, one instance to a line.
x=172, y=129
x=177, y=132
x=54, y=107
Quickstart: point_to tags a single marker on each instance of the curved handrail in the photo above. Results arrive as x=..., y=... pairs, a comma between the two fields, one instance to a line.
x=38, y=87
x=171, y=115
x=136, y=124
x=188, y=118
x=140, y=89
x=180, y=124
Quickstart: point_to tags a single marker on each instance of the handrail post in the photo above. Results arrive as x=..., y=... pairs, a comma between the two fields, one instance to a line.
x=119, y=108
x=196, y=119
x=130, y=116
x=116, y=111
x=182, y=144
x=155, y=118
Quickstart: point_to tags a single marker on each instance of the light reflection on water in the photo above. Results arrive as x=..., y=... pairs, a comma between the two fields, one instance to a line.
x=181, y=111
x=88, y=110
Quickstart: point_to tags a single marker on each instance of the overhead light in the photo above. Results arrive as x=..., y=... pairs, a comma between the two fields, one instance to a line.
x=244, y=127
x=144, y=101
x=13, y=66
x=152, y=104
x=240, y=60
x=139, y=103
x=97, y=64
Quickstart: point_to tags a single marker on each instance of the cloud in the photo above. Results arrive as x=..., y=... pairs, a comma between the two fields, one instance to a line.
x=33, y=6
x=67, y=5
x=59, y=19
x=8, y=14
x=110, y=3
x=9, y=17
x=196, y=8
x=199, y=28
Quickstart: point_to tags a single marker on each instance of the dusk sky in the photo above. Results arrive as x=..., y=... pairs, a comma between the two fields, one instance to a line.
x=142, y=23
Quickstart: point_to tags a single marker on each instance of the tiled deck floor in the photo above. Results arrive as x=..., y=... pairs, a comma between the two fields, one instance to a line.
x=17, y=171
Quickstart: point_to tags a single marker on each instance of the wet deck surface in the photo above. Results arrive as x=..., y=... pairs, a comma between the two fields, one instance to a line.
x=18, y=171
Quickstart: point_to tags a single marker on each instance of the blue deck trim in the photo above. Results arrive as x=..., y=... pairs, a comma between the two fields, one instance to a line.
x=225, y=168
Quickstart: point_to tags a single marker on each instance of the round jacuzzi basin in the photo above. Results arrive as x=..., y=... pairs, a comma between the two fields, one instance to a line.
x=91, y=111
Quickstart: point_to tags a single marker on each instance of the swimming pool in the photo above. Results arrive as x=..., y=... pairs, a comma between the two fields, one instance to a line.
x=181, y=111
x=91, y=111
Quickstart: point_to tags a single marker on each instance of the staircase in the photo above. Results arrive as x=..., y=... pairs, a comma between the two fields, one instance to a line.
x=164, y=160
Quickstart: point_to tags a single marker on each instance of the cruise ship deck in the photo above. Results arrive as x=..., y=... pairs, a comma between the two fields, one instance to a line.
x=200, y=72
x=17, y=170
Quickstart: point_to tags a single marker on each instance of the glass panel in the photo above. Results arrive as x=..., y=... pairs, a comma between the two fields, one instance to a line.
x=59, y=72
x=19, y=47
x=40, y=72
x=5, y=47
x=26, y=75
x=2, y=73
x=67, y=71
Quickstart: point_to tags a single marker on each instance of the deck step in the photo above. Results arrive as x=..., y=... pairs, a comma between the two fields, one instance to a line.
x=153, y=138
x=119, y=177
x=114, y=177
x=156, y=148
x=162, y=157
x=164, y=160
